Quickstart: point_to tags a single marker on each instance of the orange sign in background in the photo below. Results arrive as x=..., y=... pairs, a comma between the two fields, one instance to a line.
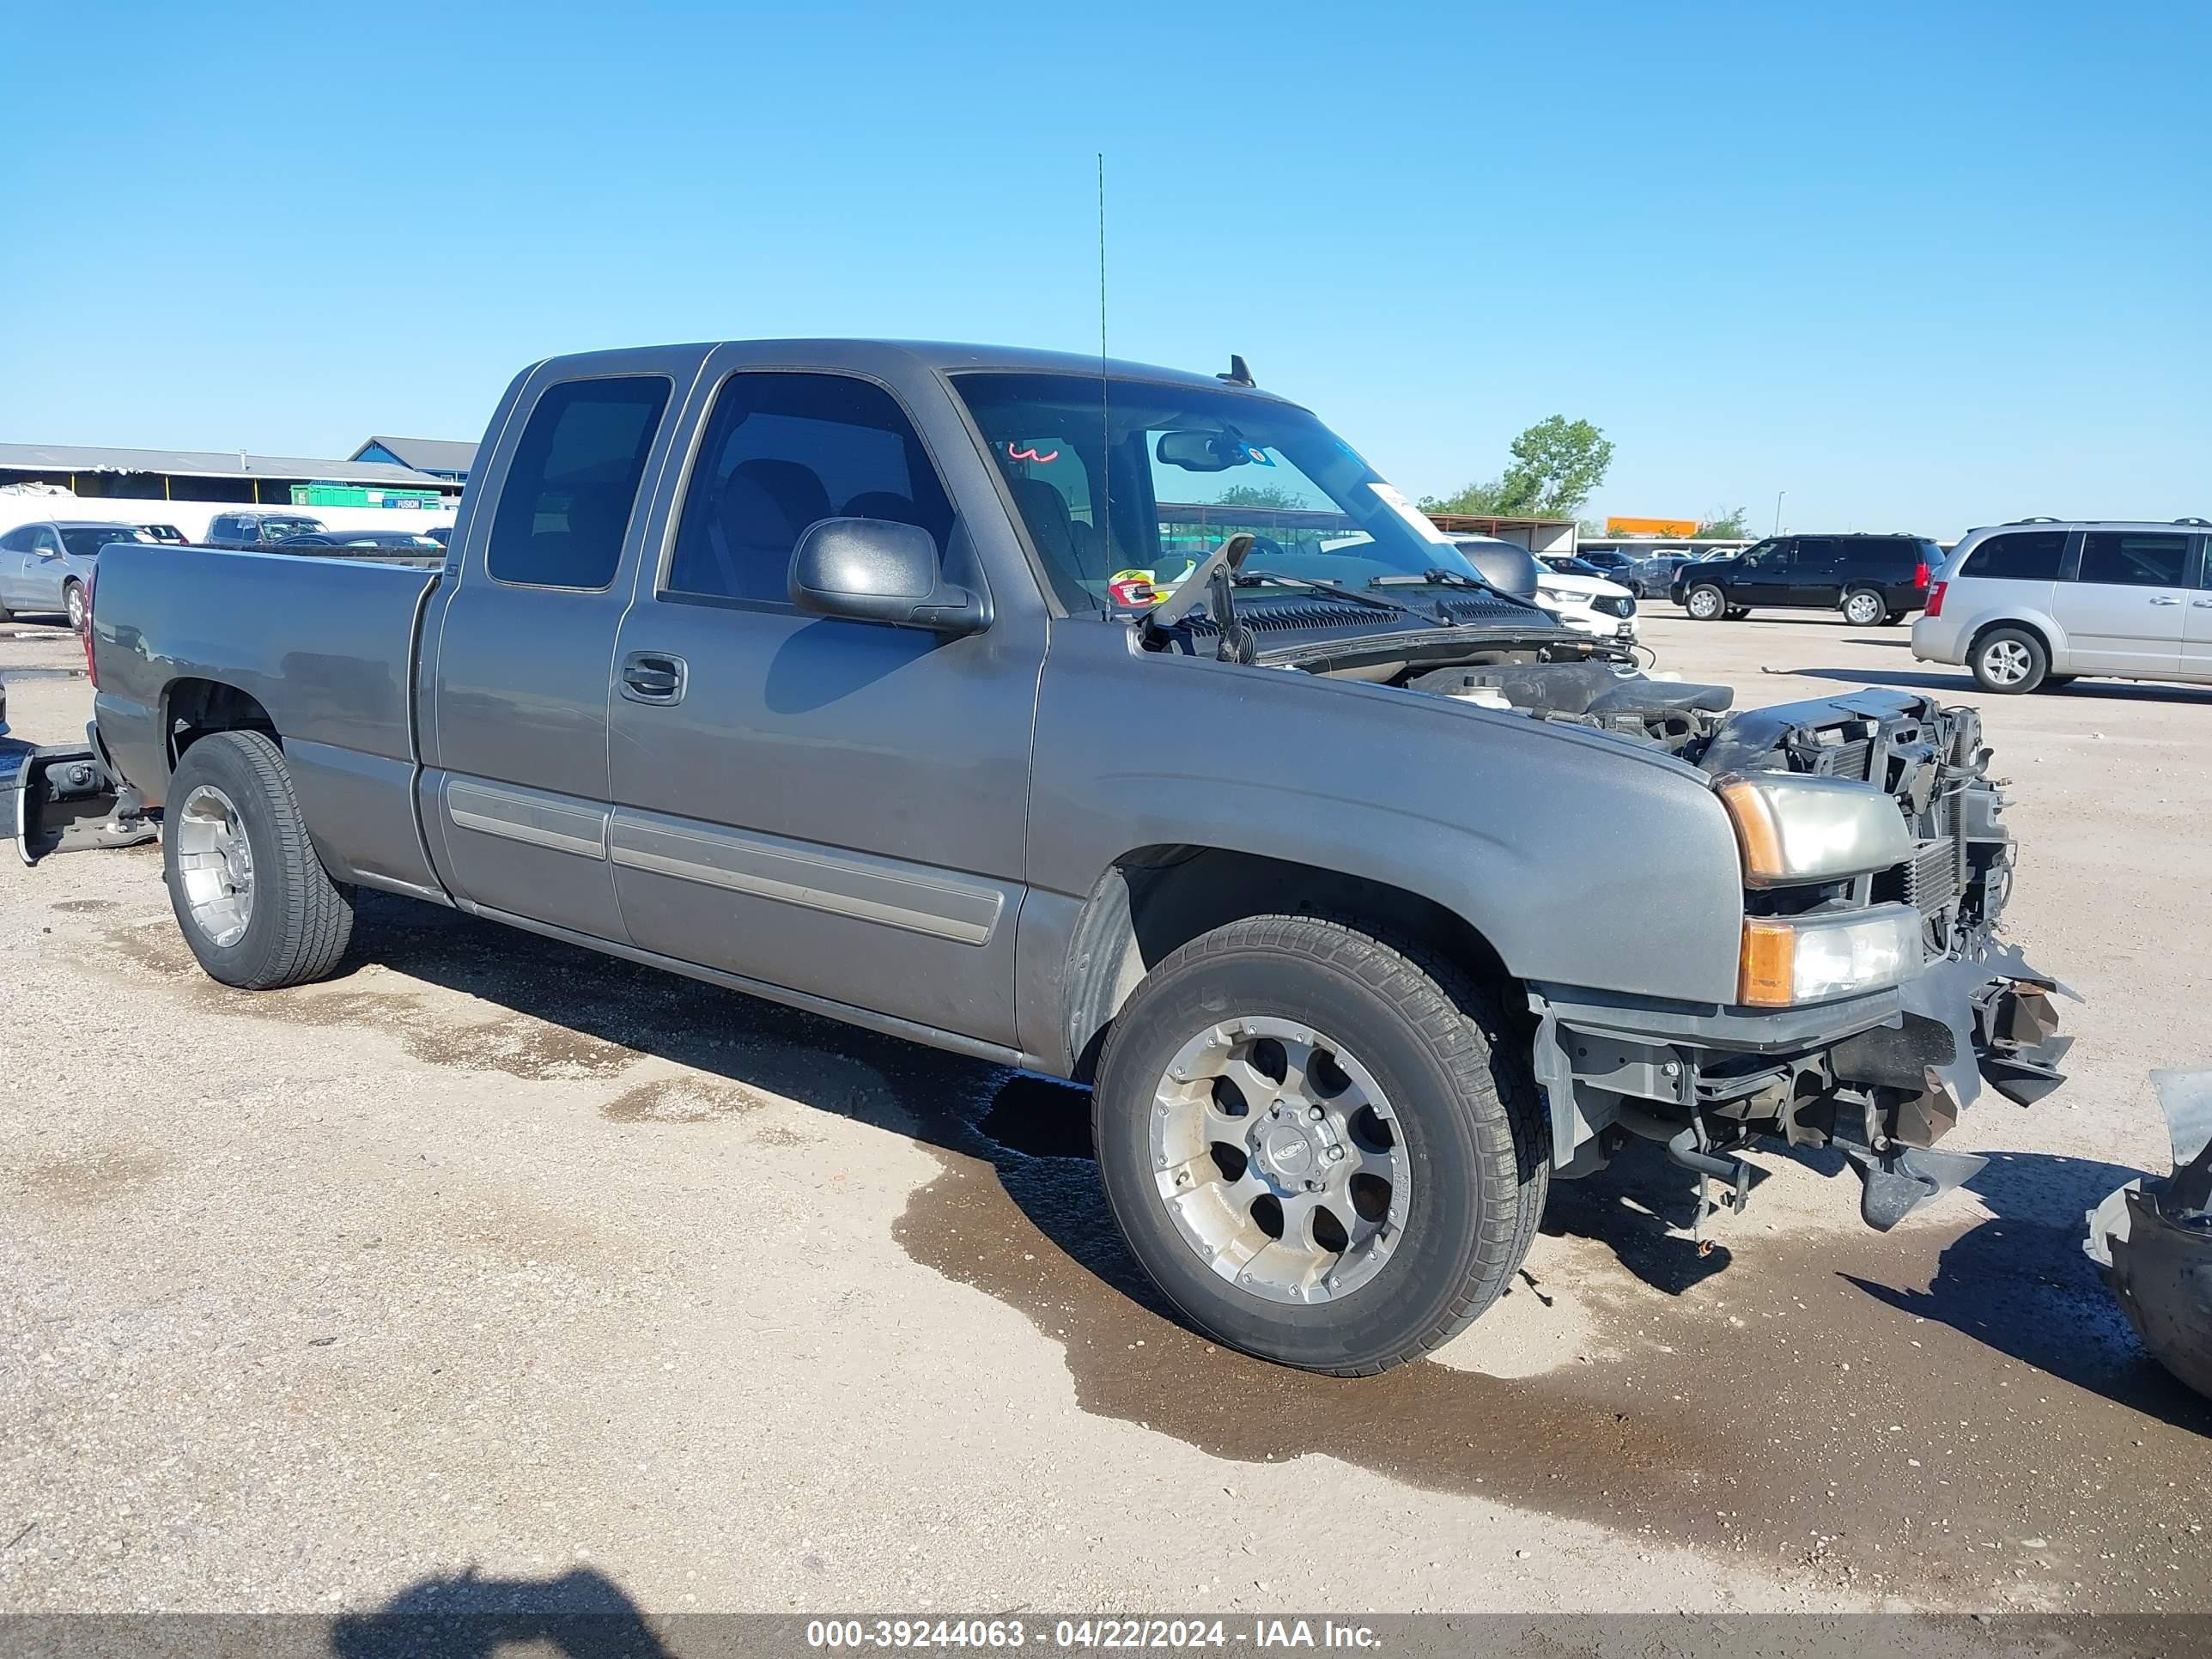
x=1651, y=527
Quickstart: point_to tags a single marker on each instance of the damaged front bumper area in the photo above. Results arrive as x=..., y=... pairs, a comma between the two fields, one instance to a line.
x=1880, y=1076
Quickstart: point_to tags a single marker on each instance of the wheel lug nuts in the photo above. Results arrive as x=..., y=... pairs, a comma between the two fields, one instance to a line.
x=1315, y=1113
x=1336, y=1154
x=1313, y=1186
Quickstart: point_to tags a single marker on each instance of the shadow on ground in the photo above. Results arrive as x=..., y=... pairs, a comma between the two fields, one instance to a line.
x=582, y=1614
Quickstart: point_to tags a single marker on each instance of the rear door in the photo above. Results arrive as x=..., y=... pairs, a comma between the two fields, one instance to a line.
x=2124, y=607
x=831, y=806
x=514, y=793
x=15, y=553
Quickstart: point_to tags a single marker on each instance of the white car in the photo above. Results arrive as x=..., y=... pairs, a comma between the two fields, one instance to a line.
x=1584, y=600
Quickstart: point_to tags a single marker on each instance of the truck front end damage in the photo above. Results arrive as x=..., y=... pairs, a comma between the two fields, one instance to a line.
x=1874, y=999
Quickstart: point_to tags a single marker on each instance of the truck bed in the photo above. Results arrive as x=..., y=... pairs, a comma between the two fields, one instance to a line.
x=323, y=646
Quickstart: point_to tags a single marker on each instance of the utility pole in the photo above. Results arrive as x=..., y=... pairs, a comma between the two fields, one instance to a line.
x=1778, y=494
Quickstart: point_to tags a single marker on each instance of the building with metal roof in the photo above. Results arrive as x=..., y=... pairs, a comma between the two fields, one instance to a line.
x=443, y=458
x=226, y=475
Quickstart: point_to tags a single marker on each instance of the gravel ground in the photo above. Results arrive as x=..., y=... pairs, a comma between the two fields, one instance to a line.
x=492, y=1257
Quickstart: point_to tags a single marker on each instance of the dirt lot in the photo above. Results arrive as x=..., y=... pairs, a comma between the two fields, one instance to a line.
x=491, y=1255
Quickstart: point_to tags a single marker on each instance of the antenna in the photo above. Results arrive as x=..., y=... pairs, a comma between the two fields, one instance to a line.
x=1105, y=418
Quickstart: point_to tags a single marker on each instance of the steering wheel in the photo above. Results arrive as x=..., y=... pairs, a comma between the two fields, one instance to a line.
x=1266, y=544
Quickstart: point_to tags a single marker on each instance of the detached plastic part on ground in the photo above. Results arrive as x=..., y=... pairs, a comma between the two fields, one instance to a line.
x=2153, y=1238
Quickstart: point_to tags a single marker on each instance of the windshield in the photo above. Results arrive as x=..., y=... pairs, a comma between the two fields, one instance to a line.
x=84, y=543
x=277, y=529
x=1177, y=470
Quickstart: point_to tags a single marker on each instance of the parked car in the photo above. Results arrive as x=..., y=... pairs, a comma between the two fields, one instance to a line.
x=406, y=546
x=1643, y=574
x=167, y=533
x=248, y=531
x=45, y=567
x=1305, y=855
x=1872, y=579
x=1584, y=600
x=2039, y=602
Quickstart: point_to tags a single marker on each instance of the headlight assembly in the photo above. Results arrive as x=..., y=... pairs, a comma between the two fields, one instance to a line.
x=1796, y=827
x=1790, y=959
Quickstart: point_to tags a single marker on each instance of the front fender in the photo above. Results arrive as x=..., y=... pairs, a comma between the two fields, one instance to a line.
x=1515, y=825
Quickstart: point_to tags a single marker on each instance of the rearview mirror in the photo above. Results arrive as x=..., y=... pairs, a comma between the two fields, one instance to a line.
x=1203, y=452
x=876, y=570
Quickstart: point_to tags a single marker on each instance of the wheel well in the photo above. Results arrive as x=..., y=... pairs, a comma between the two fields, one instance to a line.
x=193, y=709
x=1152, y=899
x=1990, y=626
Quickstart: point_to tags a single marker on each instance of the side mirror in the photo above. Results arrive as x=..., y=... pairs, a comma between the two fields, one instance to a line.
x=876, y=570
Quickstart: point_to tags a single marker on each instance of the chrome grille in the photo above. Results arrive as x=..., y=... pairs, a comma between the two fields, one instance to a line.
x=1613, y=606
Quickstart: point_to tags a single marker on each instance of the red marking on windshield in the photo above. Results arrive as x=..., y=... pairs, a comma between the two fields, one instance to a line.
x=1030, y=455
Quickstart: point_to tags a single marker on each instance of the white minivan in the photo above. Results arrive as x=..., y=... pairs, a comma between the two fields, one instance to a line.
x=2038, y=602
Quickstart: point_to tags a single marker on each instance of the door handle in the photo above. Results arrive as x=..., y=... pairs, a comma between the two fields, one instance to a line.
x=2165, y=598
x=2202, y=605
x=654, y=677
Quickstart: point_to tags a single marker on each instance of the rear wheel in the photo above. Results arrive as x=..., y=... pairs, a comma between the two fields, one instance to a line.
x=1863, y=607
x=2010, y=661
x=255, y=903
x=1705, y=603
x=73, y=603
x=1323, y=1151
x=1738, y=612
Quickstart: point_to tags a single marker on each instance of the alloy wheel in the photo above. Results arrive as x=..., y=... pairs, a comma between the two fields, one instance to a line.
x=1279, y=1158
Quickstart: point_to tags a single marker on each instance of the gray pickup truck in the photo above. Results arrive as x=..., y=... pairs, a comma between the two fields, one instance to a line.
x=1114, y=722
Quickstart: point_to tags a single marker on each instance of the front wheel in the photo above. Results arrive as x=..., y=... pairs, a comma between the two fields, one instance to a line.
x=255, y=903
x=2010, y=661
x=1324, y=1151
x=73, y=603
x=1705, y=603
x=1863, y=607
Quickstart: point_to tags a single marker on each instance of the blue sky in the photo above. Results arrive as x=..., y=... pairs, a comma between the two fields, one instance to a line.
x=1921, y=266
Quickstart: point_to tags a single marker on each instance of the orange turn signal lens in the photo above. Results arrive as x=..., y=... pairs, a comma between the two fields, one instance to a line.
x=1751, y=812
x=1766, y=965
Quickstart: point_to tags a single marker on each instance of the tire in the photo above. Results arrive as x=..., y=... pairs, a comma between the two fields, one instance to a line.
x=233, y=788
x=1467, y=1149
x=2058, y=682
x=1864, y=607
x=2010, y=661
x=1737, y=612
x=73, y=605
x=1705, y=603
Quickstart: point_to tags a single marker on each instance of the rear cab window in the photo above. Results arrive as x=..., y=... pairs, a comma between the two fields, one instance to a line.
x=2018, y=555
x=565, y=507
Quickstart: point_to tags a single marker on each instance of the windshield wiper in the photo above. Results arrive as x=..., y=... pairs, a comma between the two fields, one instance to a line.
x=1437, y=577
x=1268, y=578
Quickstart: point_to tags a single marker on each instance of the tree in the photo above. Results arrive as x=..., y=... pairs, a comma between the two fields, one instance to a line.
x=1557, y=465
x=1734, y=523
x=1483, y=500
x=1268, y=496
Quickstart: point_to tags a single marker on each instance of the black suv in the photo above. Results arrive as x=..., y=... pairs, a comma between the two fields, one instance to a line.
x=1870, y=579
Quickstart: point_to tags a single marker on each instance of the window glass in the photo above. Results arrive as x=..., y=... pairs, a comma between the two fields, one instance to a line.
x=2128, y=559
x=781, y=452
x=2023, y=556
x=84, y=543
x=1815, y=553
x=46, y=541
x=567, y=501
x=1177, y=470
x=17, y=540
